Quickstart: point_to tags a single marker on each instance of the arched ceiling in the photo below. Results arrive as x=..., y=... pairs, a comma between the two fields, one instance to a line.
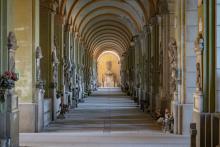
x=107, y=24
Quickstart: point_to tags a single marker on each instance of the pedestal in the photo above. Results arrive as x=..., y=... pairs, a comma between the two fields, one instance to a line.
x=56, y=101
x=9, y=120
x=174, y=110
x=40, y=109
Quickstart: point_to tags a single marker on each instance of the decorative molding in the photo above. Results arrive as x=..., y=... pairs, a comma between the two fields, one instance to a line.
x=147, y=29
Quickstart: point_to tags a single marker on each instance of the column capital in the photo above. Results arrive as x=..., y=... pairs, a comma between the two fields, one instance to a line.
x=135, y=37
x=155, y=20
x=76, y=35
x=49, y=4
x=61, y=19
x=81, y=40
x=132, y=43
x=69, y=27
x=147, y=29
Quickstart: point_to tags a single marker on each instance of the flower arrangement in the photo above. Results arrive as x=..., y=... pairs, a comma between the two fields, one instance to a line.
x=7, y=80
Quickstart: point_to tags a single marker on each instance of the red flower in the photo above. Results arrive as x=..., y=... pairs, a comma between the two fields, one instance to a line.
x=10, y=75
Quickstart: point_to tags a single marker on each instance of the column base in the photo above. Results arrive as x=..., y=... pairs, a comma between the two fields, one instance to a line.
x=208, y=129
x=182, y=114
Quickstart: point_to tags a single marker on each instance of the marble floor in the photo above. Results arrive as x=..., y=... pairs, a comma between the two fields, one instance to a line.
x=108, y=118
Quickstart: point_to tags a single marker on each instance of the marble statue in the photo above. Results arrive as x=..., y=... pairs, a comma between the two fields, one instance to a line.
x=39, y=56
x=109, y=77
x=12, y=46
x=67, y=72
x=55, y=62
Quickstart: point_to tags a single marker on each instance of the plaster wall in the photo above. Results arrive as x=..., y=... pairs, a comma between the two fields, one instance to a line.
x=21, y=20
x=218, y=56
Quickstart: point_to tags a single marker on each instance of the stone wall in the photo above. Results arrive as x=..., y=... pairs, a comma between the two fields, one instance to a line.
x=22, y=24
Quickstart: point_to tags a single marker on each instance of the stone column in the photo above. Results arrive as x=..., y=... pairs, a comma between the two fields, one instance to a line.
x=137, y=71
x=67, y=67
x=142, y=76
x=79, y=70
x=74, y=62
x=147, y=63
x=47, y=13
x=154, y=55
x=172, y=53
x=56, y=95
x=59, y=21
x=39, y=100
x=9, y=116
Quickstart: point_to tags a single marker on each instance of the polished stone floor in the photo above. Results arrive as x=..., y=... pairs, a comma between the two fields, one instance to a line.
x=108, y=118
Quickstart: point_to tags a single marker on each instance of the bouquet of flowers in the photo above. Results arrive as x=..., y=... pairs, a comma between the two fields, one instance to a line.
x=7, y=80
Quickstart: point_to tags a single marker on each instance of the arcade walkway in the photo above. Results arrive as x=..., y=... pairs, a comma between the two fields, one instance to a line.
x=106, y=119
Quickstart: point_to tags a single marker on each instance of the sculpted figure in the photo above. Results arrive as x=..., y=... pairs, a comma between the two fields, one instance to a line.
x=55, y=62
x=12, y=45
x=39, y=56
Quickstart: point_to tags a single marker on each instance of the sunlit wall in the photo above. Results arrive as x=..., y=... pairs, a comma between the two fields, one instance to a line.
x=22, y=23
x=101, y=64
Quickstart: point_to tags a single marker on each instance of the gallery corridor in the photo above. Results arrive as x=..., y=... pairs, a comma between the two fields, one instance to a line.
x=58, y=55
x=107, y=118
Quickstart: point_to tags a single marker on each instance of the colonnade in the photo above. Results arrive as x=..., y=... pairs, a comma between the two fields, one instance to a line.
x=168, y=49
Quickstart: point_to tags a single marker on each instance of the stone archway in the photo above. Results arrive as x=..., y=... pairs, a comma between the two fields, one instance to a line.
x=108, y=69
